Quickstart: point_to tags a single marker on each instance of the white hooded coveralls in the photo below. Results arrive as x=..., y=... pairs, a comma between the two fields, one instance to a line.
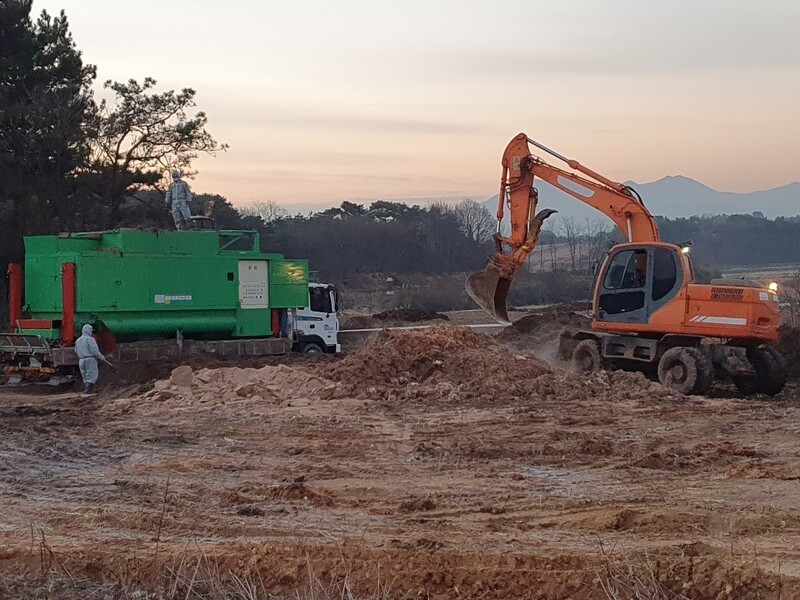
x=178, y=198
x=88, y=354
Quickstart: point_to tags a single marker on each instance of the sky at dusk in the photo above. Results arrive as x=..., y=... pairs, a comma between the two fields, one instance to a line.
x=326, y=101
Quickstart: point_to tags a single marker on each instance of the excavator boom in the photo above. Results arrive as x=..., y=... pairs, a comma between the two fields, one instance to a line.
x=489, y=288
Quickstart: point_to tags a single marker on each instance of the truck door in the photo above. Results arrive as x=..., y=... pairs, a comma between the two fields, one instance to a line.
x=318, y=324
x=323, y=307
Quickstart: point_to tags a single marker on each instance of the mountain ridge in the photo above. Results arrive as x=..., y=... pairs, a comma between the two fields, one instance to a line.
x=676, y=196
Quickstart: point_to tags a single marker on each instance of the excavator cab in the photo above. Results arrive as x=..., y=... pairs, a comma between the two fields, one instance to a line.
x=636, y=280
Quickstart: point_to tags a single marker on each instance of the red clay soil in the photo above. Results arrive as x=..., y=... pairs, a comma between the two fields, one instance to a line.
x=435, y=464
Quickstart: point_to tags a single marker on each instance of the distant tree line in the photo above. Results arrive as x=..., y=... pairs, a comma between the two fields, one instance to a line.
x=717, y=241
x=391, y=237
x=736, y=240
x=384, y=237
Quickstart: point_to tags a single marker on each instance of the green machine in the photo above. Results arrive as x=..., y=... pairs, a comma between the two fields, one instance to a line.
x=151, y=284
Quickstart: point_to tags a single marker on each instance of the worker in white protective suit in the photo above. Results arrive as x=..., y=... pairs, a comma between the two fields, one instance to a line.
x=88, y=355
x=178, y=198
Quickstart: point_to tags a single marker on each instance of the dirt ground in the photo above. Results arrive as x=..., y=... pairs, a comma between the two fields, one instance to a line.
x=399, y=318
x=428, y=464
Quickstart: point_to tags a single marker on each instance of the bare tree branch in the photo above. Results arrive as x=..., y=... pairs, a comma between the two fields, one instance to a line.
x=475, y=221
x=268, y=211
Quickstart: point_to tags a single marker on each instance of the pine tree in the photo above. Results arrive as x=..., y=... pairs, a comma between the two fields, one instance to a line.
x=45, y=104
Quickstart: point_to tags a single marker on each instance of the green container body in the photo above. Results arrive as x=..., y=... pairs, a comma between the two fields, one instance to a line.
x=147, y=284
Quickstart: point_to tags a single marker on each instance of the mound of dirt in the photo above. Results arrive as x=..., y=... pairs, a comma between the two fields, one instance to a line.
x=391, y=318
x=455, y=365
x=437, y=366
x=213, y=387
x=565, y=315
x=412, y=315
x=603, y=387
x=456, y=355
x=547, y=332
x=358, y=322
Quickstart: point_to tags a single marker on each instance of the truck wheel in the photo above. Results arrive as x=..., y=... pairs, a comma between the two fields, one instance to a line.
x=686, y=370
x=586, y=357
x=770, y=372
x=312, y=348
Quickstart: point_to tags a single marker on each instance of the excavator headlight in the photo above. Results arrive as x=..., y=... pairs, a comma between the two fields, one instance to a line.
x=686, y=249
x=773, y=287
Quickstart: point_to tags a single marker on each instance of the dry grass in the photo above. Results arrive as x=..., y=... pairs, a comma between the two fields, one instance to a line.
x=623, y=577
x=338, y=590
x=195, y=576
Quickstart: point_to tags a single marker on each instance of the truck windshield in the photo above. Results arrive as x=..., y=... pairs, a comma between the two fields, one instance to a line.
x=320, y=299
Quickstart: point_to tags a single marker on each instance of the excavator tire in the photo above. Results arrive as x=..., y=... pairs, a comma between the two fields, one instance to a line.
x=770, y=372
x=586, y=358
x=686, y=370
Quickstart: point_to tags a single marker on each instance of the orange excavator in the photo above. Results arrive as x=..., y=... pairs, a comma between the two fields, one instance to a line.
x=648, y=313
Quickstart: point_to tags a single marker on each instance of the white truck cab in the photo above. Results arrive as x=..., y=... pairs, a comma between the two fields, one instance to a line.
x=316, y=328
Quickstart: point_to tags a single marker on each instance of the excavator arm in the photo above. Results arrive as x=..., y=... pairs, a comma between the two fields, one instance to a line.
x=489, y=288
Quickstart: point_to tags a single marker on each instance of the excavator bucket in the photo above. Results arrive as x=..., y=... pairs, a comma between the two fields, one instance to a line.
x=489, y=290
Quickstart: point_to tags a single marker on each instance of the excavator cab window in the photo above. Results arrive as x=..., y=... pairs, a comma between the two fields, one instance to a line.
x=665, y=272
x=628, y=270
x=624, y=285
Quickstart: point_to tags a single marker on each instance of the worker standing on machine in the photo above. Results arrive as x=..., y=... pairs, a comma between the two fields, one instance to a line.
x=178, y=198
x=88, y=354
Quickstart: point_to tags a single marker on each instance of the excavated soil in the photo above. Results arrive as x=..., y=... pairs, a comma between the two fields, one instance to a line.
x=393, y=318
x=547, y=331
x=410, y=315
x=427, y=464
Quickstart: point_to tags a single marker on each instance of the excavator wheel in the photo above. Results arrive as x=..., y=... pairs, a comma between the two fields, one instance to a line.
x=686, y=370
x=586, y=358
x=770, y=372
